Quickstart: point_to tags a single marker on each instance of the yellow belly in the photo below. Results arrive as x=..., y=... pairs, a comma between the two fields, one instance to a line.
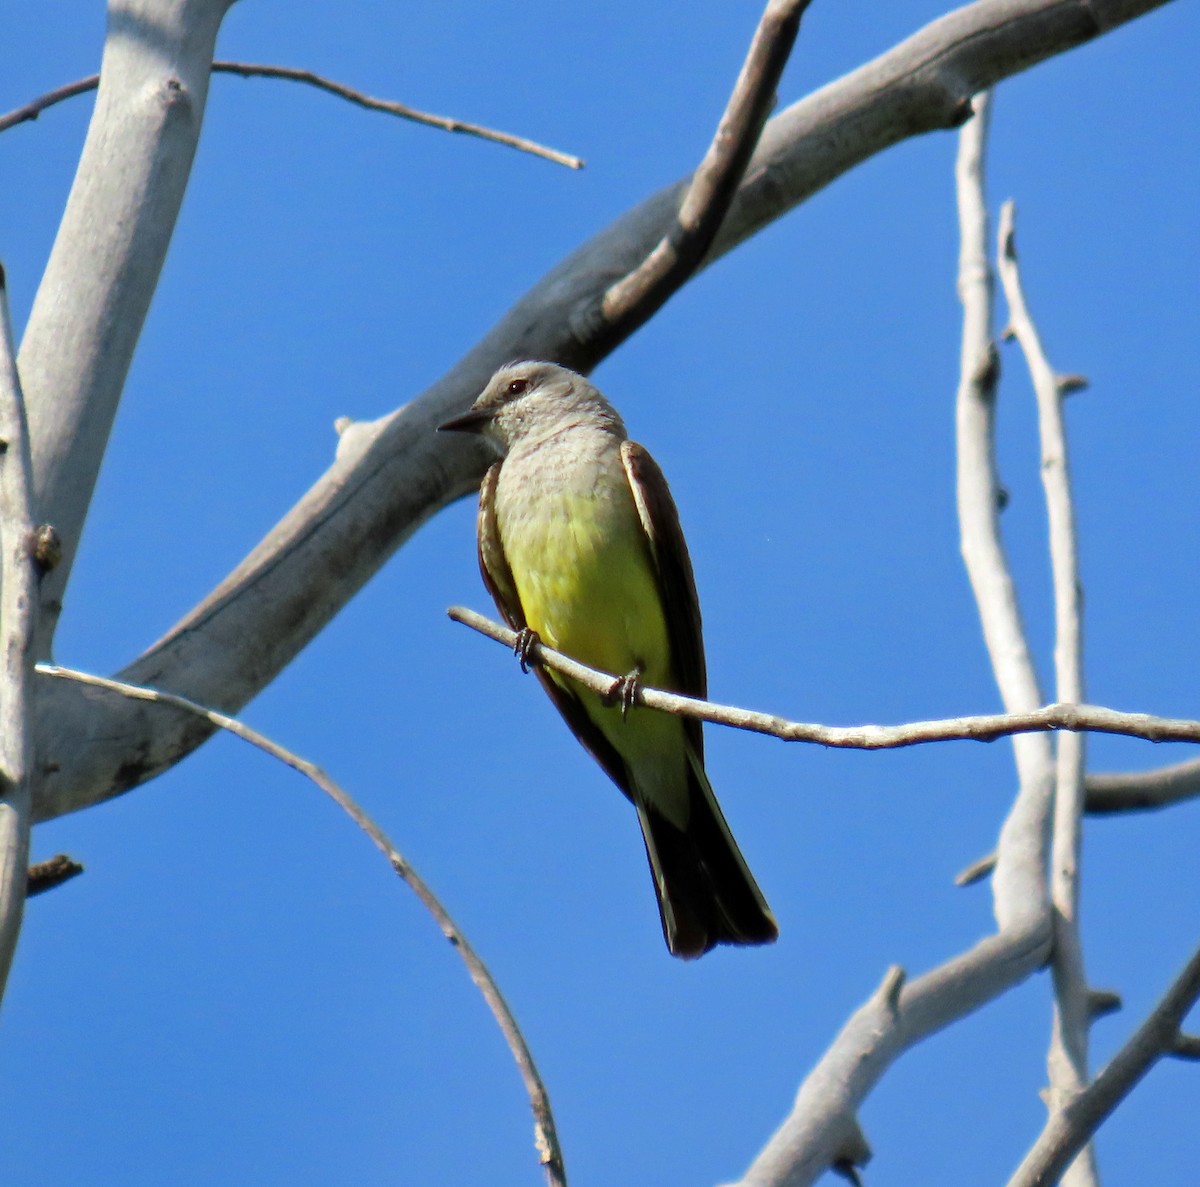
x=583, y=572
x=582, y=568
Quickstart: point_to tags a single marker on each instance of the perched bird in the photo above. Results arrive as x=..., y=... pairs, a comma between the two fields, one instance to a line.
x=580, y=543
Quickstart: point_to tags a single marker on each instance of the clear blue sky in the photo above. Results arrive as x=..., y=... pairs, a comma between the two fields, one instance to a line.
x=238, y=990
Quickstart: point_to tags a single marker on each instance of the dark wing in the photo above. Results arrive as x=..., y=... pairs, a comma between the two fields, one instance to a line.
x=493, y=564
x=677, y=585
x=497, y=576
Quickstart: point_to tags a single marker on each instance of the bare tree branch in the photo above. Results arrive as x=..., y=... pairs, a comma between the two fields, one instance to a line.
x=986, y=727
x=545, y=1133
x=1139, y=791
x=46, y=875
x=635, y=298
x=392, y=475
x=823, y=1118
x=811, y=1138
x=31, y=110
x=19, y=575
x=1185, y=1047
x=97, y=287
x=1070, y=1128
x=1067, y=1058
x=982, y=545
x=976, y=871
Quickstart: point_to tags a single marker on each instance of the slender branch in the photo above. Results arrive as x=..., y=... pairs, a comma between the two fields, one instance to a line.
x=810, y=1139
x=1067, y=1059
x=635, y=298
x=545, y=1133
x=391, y=475
x=1138, y=791
x=46, y=875
x=19, y=573
x=31, y=110
x=1019, y=882
x=985, y=727
x=1070, y=1128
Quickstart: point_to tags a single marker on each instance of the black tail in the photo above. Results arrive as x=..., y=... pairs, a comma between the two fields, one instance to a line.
x=706, y=893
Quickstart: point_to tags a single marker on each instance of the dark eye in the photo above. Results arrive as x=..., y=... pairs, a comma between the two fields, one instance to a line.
x=516, y=387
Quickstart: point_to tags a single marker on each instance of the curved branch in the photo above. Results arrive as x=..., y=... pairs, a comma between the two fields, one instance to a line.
x=31, y=110
x=545, y=1133
x=392, y=475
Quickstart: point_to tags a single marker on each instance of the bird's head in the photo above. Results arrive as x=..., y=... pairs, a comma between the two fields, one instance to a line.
x=531, y=401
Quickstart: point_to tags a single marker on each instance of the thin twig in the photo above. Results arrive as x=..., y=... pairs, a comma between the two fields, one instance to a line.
x=632, y=300
x=986, y=727
x=31, y=110
x=1142, y=791
x=545, y=1133
x=1067, y=1058
x=1070, y=1128
x=54, y=871
x=976, y=871
x=18, y=618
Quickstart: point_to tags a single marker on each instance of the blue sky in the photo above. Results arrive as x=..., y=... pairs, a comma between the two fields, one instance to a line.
x=238, y=990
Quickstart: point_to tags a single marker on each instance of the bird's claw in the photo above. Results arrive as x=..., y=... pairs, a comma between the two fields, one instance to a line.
x=524, y=645
x=625, y=691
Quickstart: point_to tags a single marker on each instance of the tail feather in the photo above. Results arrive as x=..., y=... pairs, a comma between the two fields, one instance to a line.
x=706, y=893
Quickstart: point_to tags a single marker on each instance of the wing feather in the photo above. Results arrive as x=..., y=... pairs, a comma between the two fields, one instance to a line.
x=677, y=585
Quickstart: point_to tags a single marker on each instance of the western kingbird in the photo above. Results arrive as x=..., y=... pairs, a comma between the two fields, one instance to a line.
x=580, y=543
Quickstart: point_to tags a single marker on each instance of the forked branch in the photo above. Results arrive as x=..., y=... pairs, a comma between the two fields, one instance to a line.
x=1070, y=1128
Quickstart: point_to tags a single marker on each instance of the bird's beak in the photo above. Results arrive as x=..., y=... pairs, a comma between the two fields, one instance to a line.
x=474, y=420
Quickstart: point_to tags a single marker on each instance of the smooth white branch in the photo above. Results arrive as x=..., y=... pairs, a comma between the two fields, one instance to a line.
x=1067, y=1058
x=19, y=573
x=105, y=263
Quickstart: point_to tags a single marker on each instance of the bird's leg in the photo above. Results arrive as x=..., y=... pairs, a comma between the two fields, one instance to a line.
x=524, y=645
x=625, y=690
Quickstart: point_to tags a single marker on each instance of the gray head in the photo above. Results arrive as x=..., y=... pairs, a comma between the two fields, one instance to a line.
x=530, y=401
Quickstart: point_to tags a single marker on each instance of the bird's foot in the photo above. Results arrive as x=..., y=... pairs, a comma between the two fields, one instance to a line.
x=625, y=690
x=524, y=645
